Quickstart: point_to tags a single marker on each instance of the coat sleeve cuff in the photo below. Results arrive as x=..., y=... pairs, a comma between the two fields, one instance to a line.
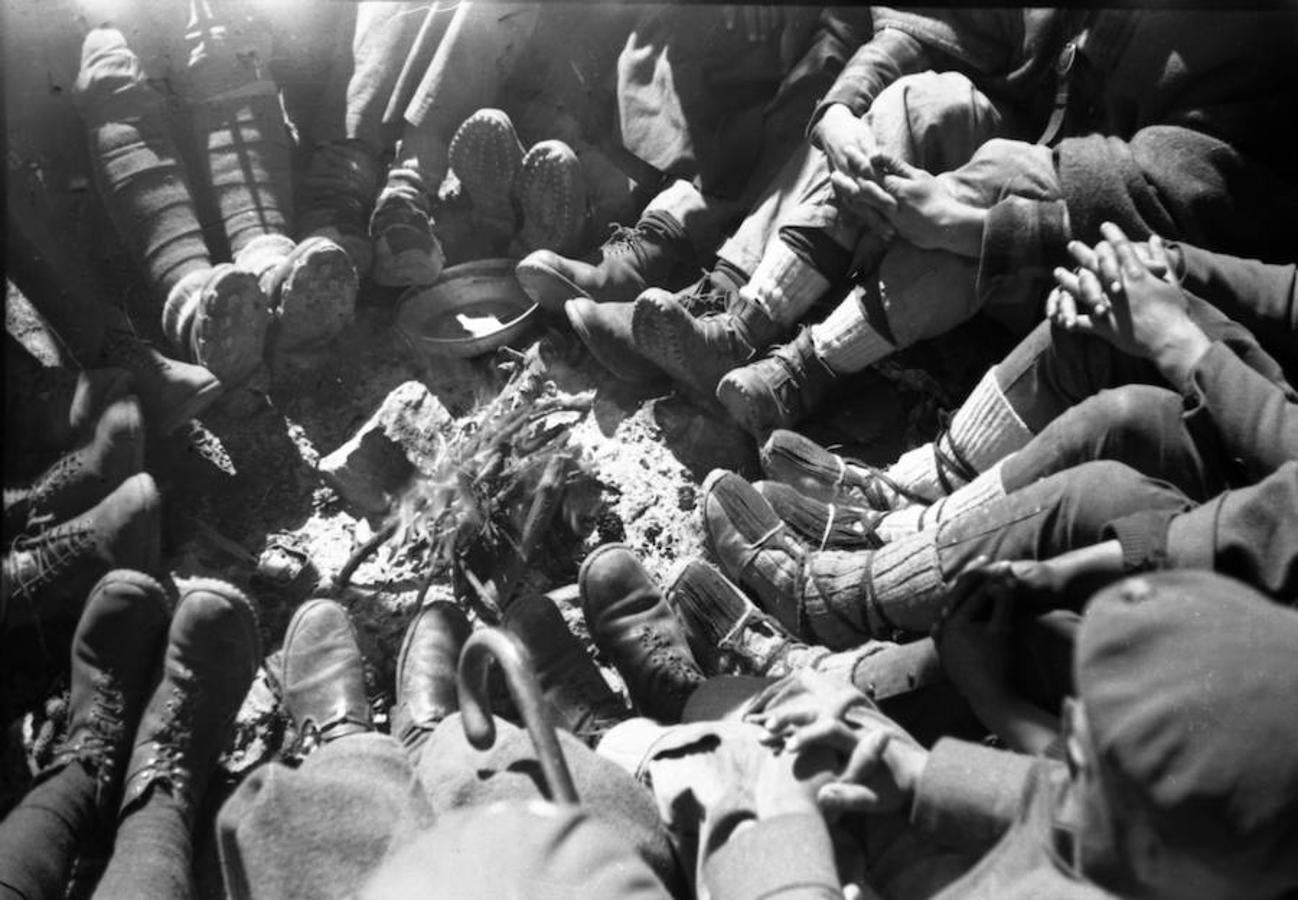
x=1191, y=537
x=1021, y=234
x=1143, y=536
x=784, y=856
x=969, y=795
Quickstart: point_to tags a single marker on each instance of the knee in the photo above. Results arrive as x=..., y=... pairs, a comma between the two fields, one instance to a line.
x=1099, y=492
x=928, y=118
x=1133, y=413
x=108, y=67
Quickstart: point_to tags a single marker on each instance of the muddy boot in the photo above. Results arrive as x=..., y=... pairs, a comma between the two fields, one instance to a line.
x=778, y=391
x=311, y=287
x=47, y=576
x=323, y=677
x=729, y=633
x=211, y=656
x=83, y=477
x=486, y=156
x=635, y=629
x=170, y=391
x=406, y=248
x=810, y=469
x=655, y=253
x=336, y=192
x=551, y=195
x=823, y=525
x=426, y=672
x=54, y=408
x=698, y=352
x=819, y=596
x=582, y=700
x=217, y=318
x=605, y=329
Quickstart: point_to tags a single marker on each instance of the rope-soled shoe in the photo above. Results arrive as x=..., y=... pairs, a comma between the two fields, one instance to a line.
x=810, y=469
x=823, y=525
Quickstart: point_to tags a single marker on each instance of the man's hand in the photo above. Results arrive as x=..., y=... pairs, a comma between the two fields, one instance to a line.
x=883, y=767
x=973, y=638
x=849, y=146
x=919, y=206
x=1126, y=302
x=800, y=698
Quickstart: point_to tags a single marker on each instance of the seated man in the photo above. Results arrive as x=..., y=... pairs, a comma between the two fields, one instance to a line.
x=1172, y=786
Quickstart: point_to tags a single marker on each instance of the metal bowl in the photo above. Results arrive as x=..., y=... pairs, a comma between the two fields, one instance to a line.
x=472, y=309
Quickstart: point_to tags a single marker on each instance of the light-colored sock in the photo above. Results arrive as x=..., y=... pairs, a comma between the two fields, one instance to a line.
x=785, y=285
x=835, y=594
x=906, y=586
x=983, y=431
x=985, y=488
x=846, y=342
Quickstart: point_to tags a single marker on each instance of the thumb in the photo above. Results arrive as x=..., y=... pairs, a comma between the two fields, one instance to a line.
x=887, y=164
x=837, y=798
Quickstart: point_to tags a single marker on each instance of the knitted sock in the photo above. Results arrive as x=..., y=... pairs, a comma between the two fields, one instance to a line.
x=984, y=430
x=846, y=342
x=42, y=834
x=153, y=853
x=835, y=594
x=136, y=163
x=905, y=585
x=785, y=284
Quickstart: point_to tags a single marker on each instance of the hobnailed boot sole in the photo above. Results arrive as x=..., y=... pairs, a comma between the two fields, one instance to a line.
x=486, y=155
x=222, y=324
x=665, y=334
x=628, y=366
x=315, y=292
x=552, y=194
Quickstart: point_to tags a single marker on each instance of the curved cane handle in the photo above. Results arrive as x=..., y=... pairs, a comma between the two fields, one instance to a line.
x=475, y=707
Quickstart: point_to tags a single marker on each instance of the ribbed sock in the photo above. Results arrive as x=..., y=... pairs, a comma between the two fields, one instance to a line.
x=41, y=836
x=846, y=342
x=985, y=488
x=785, y=284
x=905, y=584
x=835, y=596
x=153, y=853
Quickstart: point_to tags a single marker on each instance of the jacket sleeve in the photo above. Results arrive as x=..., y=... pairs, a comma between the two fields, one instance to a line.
x=788, y=857
x=1262, y=297
x=1245, y=533
x=969, y=796
x=879, y=62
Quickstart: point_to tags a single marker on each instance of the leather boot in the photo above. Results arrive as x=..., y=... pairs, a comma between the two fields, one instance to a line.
x=810, y=469
x=54, y=408
x=218, y=318
x=170, y=391
x=336, y=193
x=83, y=477
x=653, y=253
x=426, y=671
x=605, y=329
x=730, y=634
x=698, y=352
x=486, y=156
x=114, y=658
x=311, y=286
x=46, y=577
x=323, y=676
x=551, y=195
x=212, y=654
x=632, y=625
x=819, y=596
x=823, y=525
x=406, y=249
x=778, y=391
x=582, y=699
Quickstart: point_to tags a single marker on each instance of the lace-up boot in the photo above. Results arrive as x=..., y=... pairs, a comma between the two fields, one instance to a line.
x=819, y=596
x=698, y=352
x=551, y=195
x=83, y=477
x=47, y=576
x=172, y=392
x=633, y=626
x=212, y=654
x=585, y=704
x=605, y=330
x=426, y=671
x=729, y=633
x=778, y=391
x=310, y=285
x=406, y=249
x=810, y=469
x=654, y=253
x=323, y=678
x=114, y=655
x=486, y=156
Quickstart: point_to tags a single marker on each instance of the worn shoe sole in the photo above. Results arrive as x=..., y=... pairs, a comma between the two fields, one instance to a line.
x=664, y=333
x=583, y=315
x=226, y=324
x=552, y=195
x=744, y=397
x=315, y=291
x=486, y=155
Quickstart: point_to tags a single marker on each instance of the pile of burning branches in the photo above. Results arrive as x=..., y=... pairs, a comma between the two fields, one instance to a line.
x=493, y=487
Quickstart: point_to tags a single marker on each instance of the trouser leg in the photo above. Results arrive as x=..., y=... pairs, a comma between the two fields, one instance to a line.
x=153, y=854
x=42, y=835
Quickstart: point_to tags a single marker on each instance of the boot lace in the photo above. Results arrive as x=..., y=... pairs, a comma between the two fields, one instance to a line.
x=103, y=735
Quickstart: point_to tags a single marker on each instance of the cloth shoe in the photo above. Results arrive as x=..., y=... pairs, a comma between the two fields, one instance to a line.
x=47, y=576
x=810, y=469
x=698, y=352
x=633, y=626
x=170, y=391
x=819, y=596
x=218, y=318
x=114, y=657
x=406, y=249
x=311, y=286
x=337, y=190
x=322, y=675
x=486, y=156
x=568, y=678
x=83, y=477
x=823, y=524
x=605, y=330
x=653, y=253
x=551, y=195
x=212, y=654
x=426, y=671
x=777, y=391
x=729, y=633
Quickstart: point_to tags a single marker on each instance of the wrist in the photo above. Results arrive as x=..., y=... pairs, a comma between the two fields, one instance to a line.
x=906, y=761
x=1180, y=352
x=963, y=230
